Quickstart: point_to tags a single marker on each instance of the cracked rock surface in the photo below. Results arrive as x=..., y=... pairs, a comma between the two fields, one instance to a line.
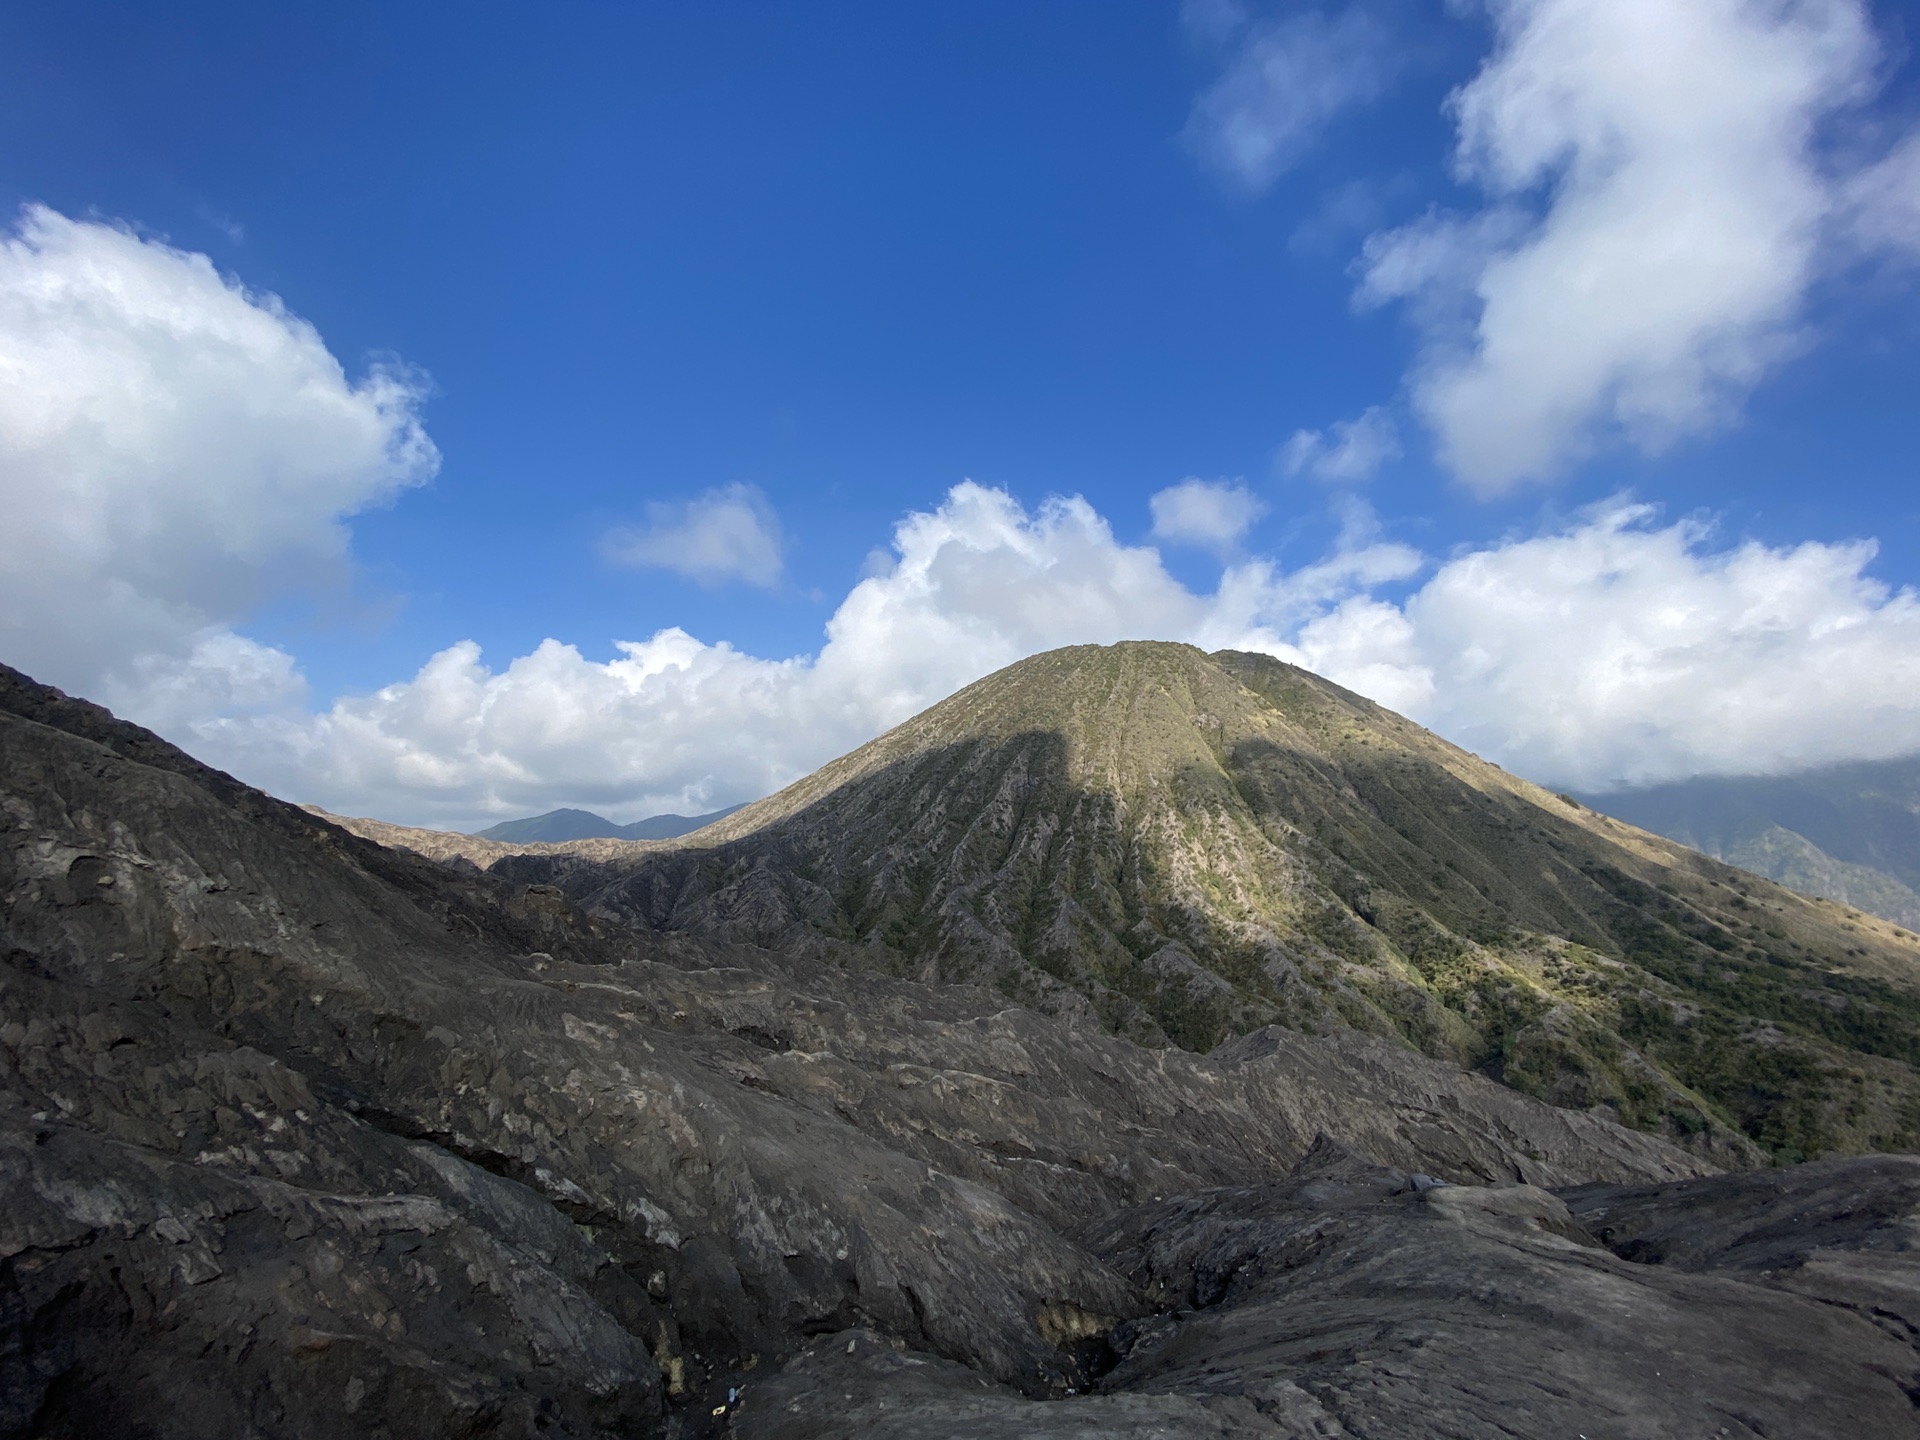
x=1352, y=1299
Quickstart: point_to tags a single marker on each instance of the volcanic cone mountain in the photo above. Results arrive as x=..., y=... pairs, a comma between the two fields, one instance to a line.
x=1197, y=845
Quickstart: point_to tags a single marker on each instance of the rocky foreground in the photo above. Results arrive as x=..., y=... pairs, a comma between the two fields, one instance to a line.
x=304, y=1136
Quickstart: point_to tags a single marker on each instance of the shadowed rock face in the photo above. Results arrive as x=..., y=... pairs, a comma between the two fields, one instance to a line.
x=1188, y=847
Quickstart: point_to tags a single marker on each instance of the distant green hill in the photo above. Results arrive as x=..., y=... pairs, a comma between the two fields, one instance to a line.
x=1846, y=832
x=558, y=826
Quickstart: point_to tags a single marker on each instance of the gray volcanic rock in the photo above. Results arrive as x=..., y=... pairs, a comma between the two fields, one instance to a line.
x=304, y=1136
x=859, y=1386
x=1358, y=1300
x=1846, y=1233
x=222, y=946
x=1406, y=1308
x=147, y=1294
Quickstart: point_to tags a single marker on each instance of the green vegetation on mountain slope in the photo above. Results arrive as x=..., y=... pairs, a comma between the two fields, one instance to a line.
x=1194, y=846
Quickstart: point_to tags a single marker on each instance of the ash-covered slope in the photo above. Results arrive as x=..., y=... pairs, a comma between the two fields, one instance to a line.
x=1196, y=846
x=1349, y=1299
x=306, y=1137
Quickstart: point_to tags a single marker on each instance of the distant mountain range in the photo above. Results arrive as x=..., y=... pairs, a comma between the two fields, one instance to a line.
x=559, y=826
x=1846, y=832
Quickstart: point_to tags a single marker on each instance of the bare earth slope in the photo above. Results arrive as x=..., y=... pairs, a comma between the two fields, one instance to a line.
x=304, y=1136
x=1189, y=847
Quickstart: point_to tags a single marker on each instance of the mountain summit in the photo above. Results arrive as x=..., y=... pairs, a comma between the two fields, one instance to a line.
x=1193, y=846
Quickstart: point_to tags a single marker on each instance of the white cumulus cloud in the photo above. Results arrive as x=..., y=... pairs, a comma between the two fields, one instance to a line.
x=1213, y=514
x=173, y=447
x=727, y=533
x=1285, y=81
x=1615, y=650
x=1618, y=651
x=675, y=723
x=1353, y=452
x=1657, y=210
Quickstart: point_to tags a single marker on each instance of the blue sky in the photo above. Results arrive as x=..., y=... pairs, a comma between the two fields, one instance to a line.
x=805, y=269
